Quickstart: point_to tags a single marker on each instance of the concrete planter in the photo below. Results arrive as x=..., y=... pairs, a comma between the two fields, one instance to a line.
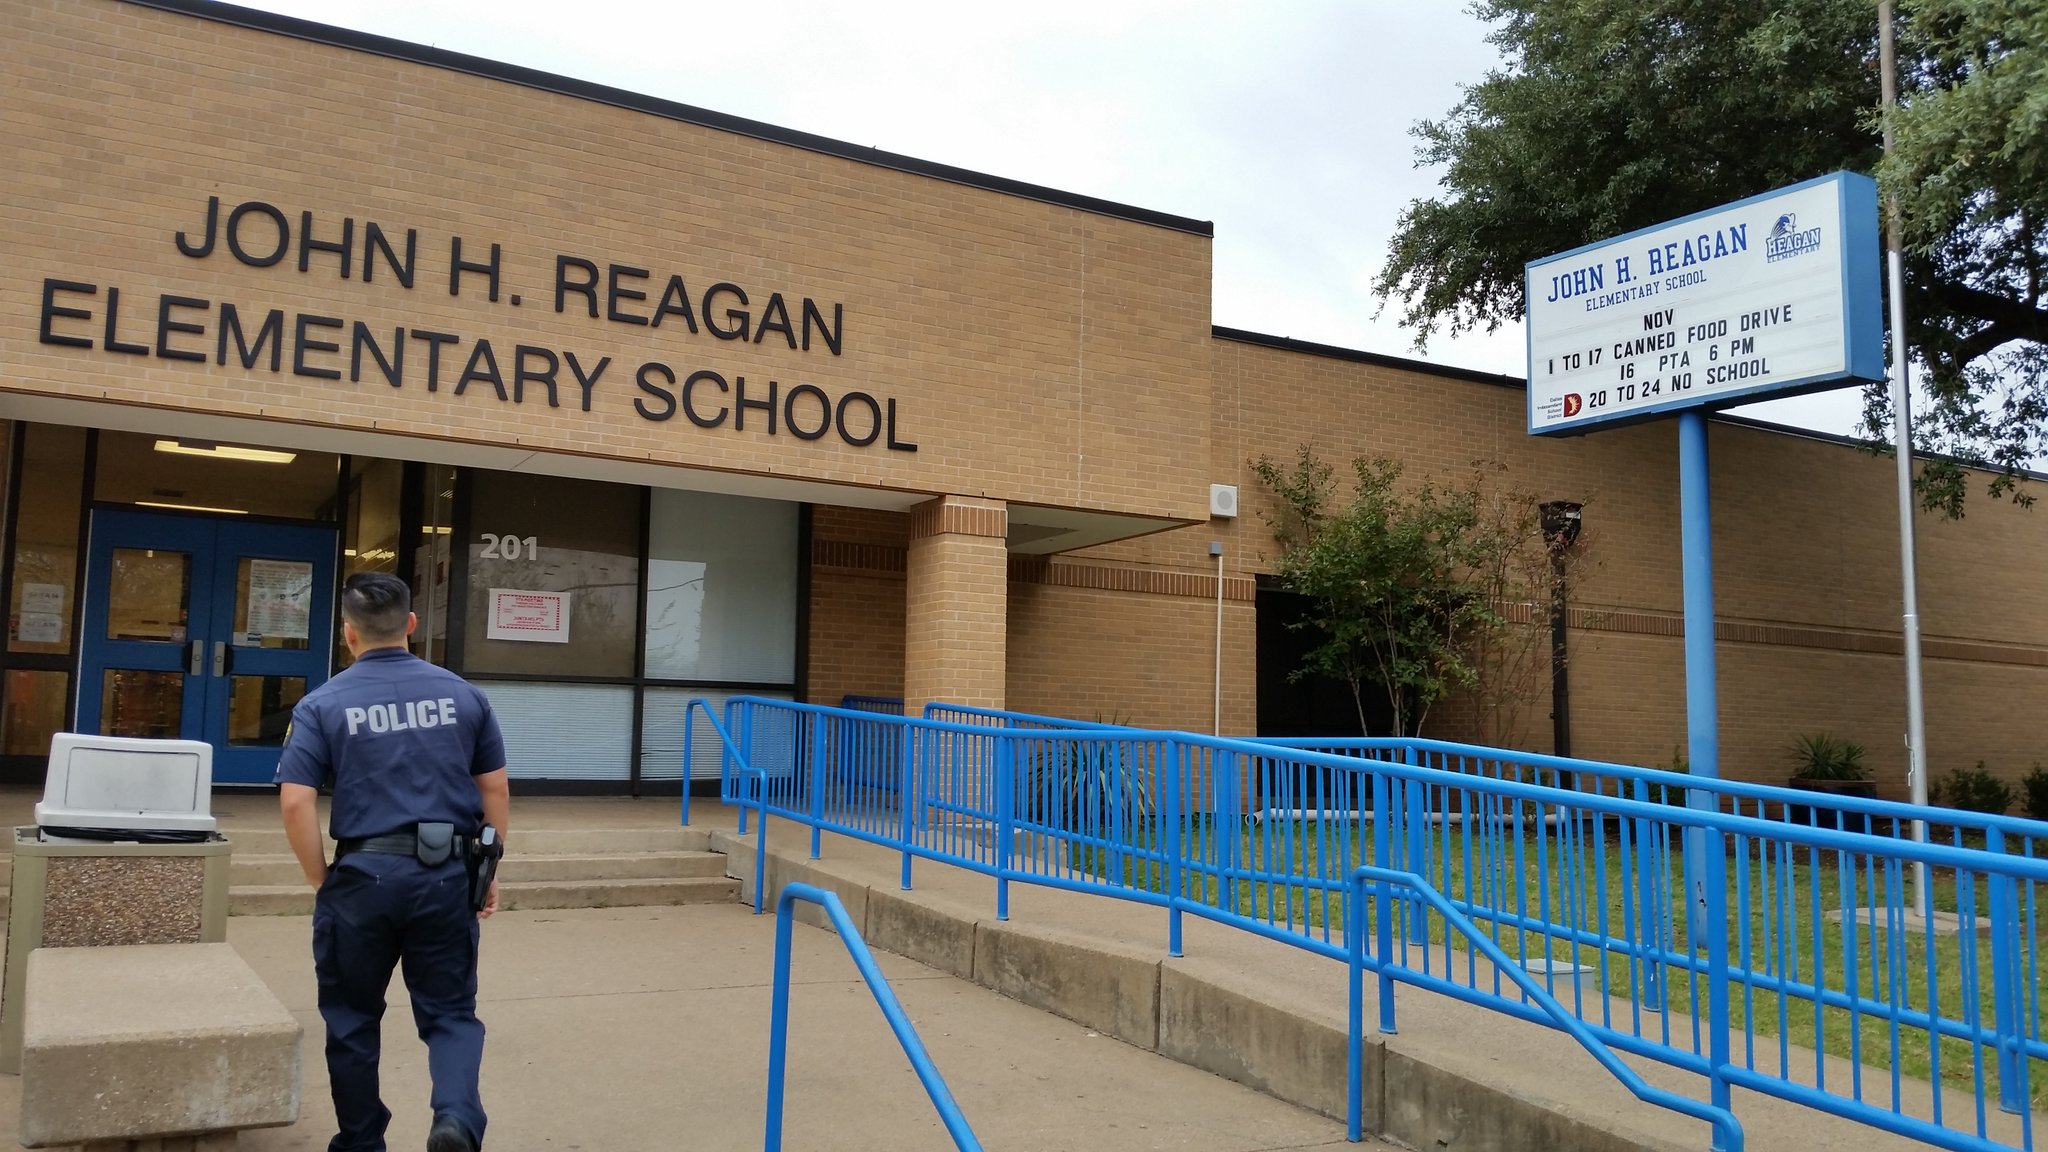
x=99, y=894
x=1826, y=816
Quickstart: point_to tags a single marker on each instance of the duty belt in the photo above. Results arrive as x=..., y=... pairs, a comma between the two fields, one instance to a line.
x=397, y=844
x=393, y=844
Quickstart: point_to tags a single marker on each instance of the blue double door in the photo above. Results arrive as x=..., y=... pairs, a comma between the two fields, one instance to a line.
x=204, y=628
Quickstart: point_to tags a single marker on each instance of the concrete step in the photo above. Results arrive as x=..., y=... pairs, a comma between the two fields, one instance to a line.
x=297, y=899
x=524, y=841
x=619, y=893
x=247, y=870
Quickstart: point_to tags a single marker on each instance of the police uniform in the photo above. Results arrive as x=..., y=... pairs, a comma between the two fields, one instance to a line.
x=398, y=739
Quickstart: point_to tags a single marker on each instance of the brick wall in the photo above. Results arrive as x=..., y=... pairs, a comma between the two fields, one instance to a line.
x=122, y=121
x=1140, y=658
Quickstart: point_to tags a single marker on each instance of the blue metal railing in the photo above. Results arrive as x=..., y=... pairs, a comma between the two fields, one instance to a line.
x=885, y=998
x=1998, y=834
x=1727, y=1131
x=1714, y=941
x=731, y=763
x=888, y=705
x=999, y=718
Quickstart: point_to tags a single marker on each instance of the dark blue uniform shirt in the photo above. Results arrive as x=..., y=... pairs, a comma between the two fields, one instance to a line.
x=398, y=739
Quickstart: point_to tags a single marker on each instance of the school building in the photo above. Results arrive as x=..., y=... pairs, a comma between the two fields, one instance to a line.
x=648, y=402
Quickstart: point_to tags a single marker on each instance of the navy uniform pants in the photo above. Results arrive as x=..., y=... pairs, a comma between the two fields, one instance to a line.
x=374, y=913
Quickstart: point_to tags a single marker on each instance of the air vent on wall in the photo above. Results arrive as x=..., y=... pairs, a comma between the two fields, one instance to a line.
x=1223, y=501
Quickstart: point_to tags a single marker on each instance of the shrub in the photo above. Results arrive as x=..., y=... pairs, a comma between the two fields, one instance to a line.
x=1972, y=790
x=1822, y=757
x=2035, y=787
x=1662, y=793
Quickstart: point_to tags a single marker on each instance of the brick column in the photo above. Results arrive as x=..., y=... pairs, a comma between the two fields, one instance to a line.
x=956, y=619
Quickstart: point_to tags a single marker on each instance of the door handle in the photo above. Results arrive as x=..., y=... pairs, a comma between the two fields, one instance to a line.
x=220, y=657
x=195, y=655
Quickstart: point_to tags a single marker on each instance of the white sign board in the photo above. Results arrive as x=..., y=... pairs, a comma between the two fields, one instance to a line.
x=39, y=628
x=1771, y=295
x=280, y=600
x=42, y=598
x=530, y=616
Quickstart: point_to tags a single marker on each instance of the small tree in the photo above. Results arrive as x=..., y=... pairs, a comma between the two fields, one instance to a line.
x=1388, y=576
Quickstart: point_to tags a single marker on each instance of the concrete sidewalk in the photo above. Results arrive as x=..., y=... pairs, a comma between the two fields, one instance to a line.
x=626, y=1029
x=646, y=1028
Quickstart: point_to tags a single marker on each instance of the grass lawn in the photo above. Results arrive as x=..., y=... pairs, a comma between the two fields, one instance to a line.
x=1544, y=891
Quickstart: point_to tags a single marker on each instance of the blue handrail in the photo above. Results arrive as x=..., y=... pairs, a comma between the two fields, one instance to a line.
x=1727, y=1130
x=885, y=998
x=738, y=761
x=1734, y=790
x=1706, y=923
x=999, y=718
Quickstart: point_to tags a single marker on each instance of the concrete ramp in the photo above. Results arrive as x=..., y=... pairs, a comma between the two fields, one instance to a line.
x=645, y=1029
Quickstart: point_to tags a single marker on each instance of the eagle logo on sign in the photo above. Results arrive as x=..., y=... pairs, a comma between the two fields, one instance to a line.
x=1572, y=404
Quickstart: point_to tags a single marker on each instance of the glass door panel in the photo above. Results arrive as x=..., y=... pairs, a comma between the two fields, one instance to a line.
x=149, y=705
x=149, y=595
x=260, y=709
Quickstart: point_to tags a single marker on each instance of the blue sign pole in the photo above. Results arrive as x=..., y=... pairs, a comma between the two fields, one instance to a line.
x=1696, y=562
x=1705, y=857
x=1702, y=731
x=1703, y=741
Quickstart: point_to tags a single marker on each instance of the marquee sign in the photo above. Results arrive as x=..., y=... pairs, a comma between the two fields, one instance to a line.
x=1767, y=296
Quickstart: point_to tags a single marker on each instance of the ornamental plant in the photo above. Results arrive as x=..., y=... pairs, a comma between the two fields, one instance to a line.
x=1822, y=757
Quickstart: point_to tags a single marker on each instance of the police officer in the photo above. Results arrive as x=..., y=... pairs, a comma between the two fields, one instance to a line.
x=408, y=749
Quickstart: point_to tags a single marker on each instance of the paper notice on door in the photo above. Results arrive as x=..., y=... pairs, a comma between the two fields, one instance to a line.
x=43, y=598
x=280, y=599
x=40, y=628
x=531, y=616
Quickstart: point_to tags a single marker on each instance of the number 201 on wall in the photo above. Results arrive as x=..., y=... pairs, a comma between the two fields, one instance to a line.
x=510, y=547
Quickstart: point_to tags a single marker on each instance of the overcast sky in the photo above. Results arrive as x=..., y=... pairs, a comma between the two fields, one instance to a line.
x=1287, y=124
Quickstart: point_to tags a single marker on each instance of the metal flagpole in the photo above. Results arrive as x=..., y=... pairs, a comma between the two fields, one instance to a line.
x=1902, y=433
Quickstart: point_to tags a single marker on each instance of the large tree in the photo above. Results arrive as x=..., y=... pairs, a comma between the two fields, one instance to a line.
x=1612, y=115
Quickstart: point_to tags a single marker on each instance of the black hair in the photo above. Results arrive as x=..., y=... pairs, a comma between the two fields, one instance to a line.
x=377, y=604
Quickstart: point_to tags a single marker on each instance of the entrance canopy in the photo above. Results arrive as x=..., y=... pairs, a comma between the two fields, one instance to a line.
x=1034, y=530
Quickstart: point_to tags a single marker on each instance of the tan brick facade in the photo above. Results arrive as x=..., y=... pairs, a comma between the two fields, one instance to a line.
x=1040, y=353
x=125, y=122
x=957, y=593
x=1806, y=569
